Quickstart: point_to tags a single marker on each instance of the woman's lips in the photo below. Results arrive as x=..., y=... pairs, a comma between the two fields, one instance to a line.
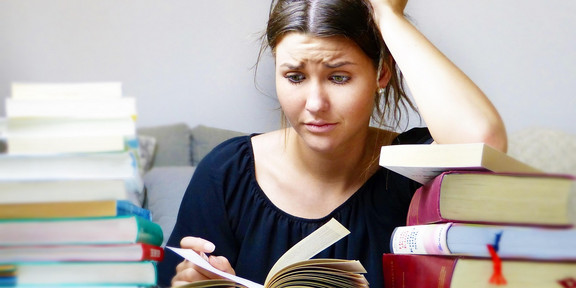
x=320, y=127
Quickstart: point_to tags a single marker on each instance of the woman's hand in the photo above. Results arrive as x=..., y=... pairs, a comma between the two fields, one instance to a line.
x=187, y=272
x=395, y=6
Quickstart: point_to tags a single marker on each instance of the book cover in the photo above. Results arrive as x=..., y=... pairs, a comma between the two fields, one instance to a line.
x=72, y=209
x=103, y=252
x=496, y=198
x=295, y=268
x=510, y=242
x=415, y=271
x=80, y=231
x=421, y=163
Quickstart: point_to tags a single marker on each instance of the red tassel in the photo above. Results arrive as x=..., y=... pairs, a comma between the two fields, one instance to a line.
x=497, y=276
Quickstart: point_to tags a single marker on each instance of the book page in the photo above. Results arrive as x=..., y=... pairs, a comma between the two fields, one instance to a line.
x=193, y=257
x=313, y=244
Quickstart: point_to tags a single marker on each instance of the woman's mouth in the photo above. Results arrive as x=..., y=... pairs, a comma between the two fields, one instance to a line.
x=320, y=127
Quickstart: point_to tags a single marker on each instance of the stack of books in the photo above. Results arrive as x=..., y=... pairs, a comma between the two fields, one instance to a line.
x=481, y=219
x=66, y=214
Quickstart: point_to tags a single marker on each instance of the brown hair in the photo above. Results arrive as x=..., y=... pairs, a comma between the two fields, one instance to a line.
x=354, y=20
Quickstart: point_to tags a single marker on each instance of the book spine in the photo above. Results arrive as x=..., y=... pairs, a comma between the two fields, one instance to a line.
x=425, y=204
x=126, y=208
x=151, y=252
x=148, y=232
x=421, y=239
x=402, y=271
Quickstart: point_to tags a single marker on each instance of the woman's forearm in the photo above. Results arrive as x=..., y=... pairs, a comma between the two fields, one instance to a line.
x=452, y=105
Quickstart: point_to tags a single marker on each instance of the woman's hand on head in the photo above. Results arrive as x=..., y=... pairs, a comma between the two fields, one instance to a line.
x=382, y=6
x=187, y=271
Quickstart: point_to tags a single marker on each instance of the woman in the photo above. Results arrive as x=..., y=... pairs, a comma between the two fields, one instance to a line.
x=254, y=197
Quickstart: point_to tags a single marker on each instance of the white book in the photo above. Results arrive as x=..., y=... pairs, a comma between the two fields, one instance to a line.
x=65, y=144
x=12, y=192
x=116, y=165
x=87, y=90
x=64, y=274
x=59, y=127
x=72, y=108
x=423, y=162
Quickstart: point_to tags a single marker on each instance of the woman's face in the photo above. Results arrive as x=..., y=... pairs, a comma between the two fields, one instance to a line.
x=326, y=88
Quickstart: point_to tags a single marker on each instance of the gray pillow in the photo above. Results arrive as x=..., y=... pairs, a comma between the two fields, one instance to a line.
x=165, y=187
x=205, y=138
x=172, y=144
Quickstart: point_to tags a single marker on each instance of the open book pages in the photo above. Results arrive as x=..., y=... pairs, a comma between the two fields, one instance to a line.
x=296, y=260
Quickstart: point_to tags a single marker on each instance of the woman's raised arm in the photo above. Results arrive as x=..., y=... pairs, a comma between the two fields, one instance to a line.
x=453, y=107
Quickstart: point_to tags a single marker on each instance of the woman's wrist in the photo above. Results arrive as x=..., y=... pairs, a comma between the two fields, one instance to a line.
x=384, y=13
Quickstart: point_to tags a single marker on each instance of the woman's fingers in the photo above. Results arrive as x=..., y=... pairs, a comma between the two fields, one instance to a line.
x=187, y=271
x=221, y=263
x=197, y=244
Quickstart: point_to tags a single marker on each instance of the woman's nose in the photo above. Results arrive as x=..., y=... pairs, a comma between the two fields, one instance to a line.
x=317, y=99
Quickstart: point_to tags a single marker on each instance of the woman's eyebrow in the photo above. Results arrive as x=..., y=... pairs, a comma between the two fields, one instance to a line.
x=327, y=65
x=293, y=66
x=338, y=64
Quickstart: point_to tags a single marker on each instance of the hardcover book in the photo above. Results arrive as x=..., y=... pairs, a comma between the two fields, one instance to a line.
x=87, y=253
x=511, y=242
x=419, y=271
x=69, y=274
x=77, y=231
x=73, y=209
x=12, y=192
x=496, y=198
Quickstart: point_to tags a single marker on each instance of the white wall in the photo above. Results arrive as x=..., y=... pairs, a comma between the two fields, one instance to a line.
x=190, y=60
x=520, y=52
x=184, y=60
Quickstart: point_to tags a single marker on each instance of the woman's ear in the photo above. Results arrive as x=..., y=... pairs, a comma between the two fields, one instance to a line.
x=384, y=76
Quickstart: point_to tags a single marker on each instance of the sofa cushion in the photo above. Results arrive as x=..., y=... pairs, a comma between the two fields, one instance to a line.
x=172, y=144
x=204, y=139
x=165, y=187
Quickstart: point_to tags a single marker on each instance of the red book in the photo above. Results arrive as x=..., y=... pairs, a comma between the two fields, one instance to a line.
x=495, y=198
x=422, y=271
x=105, y=252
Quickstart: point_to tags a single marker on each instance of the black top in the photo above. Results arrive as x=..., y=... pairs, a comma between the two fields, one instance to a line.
x=225, y=205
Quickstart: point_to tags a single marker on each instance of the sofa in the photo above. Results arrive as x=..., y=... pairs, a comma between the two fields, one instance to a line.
x=178, y=149
x=170, y=154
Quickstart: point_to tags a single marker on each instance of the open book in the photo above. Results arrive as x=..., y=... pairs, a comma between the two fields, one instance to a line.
x=295, y=268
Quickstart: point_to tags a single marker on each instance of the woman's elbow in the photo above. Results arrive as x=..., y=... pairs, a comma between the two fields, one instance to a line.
x=494, y=135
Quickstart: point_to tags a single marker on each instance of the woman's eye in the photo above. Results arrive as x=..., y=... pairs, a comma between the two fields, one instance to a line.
x=295, y=78
x=339, y=79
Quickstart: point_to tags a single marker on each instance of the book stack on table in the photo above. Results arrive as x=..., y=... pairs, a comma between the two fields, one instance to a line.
x=481, y=219
x=68, y=216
